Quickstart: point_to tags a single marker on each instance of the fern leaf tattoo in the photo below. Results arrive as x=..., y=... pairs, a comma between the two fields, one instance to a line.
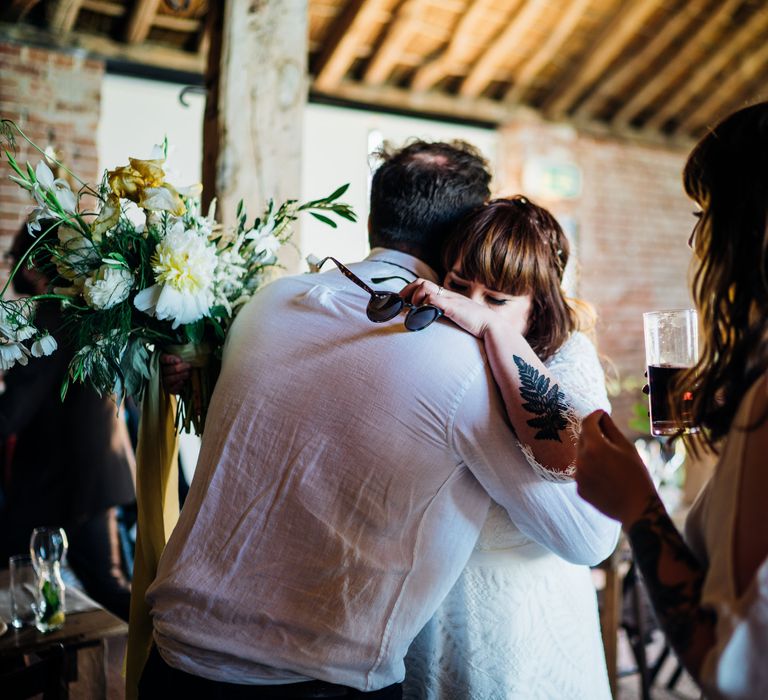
x=546, y=403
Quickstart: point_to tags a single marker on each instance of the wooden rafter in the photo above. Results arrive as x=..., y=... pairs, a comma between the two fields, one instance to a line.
x=189, y=25
x=678, y=64
x=703, y=75
x=712, y=108
x=398, y=33
x=343, y=40
x=484, y=70
x=671, y=31
x=105, y=7
x=16, y=10
x=432, y=71
x=146, y=54
x=141, y=20
x=62, y=15
x=626, y=24
x=527, y=72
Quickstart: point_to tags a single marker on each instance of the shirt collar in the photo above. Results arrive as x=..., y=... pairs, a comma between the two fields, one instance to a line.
x=415, y=265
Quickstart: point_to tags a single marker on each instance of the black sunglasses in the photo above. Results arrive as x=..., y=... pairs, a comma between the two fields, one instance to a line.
x=384, y=306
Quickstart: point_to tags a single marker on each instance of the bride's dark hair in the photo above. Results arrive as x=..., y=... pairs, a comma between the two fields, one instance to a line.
x=517, y=247
x=727, y=175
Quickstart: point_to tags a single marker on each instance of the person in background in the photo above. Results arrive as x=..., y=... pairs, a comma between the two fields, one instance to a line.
x=710, y=590
x=346, y=470
x=71, y=462
x=520, y=622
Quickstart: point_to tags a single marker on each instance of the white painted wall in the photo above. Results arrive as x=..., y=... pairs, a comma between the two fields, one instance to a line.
x=337, y=142
x=138, y=113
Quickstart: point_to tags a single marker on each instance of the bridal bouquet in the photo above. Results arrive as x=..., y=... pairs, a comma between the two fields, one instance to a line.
x=139, y=270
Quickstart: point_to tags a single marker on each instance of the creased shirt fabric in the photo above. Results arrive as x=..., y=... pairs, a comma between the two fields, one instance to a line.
x=345, y=473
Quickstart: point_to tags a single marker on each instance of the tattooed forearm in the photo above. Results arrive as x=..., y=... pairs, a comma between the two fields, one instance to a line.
x=547, y=404
x=673, y=576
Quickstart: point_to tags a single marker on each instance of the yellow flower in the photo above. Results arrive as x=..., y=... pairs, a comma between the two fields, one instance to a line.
x=151, y=171
x=126, y=182
x=107, y=218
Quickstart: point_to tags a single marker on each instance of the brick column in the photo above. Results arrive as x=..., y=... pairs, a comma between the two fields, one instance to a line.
x=55, y=97
x=631, y=220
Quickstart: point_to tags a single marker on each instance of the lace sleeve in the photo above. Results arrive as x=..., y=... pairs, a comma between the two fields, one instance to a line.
x=577, y=369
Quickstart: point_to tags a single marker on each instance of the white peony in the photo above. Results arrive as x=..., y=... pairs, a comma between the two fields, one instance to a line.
x=107, y=287
x=184, y=264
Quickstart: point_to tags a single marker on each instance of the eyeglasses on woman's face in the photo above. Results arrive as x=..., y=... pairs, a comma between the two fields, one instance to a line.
x=384, y=306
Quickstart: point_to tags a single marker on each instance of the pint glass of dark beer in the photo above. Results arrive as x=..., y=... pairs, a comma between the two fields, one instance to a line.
x=671, y=345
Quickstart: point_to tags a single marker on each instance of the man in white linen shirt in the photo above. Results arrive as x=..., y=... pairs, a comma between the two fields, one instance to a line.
x=345, y=472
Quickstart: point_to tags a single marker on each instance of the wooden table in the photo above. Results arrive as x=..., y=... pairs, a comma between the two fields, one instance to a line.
x=86, y=629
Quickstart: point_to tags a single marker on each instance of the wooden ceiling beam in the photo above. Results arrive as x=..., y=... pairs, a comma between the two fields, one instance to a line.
x=676, y=25
x=712, y=109
x=397, y=35
x=140, y=21
x=527, y=72
x=703, y=75
x=343, y=40
x=62, y=15
x=188, y=25
x=433, y=71
x=146, y=54
x=484, y=70
x=625, y=25
x=105, y=7
x=424, y=103
x=16, y=10
x=678, y=64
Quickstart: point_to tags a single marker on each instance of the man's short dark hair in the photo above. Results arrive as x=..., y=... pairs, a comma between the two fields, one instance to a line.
x=421, y=191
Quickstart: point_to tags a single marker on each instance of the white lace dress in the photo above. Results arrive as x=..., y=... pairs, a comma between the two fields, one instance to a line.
x=520, y=623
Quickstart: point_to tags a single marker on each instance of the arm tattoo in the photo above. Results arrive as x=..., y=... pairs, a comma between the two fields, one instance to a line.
x=547, y=404
x=677, y=605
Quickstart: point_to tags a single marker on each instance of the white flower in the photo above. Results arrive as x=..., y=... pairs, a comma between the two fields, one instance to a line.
x=265, y=244
x=44, y=176
x=59, y=188
x=78, y=256
x=14, y=324
x=11, y=353
x=184, y=264
x=44, y=346
x=38, y=214
x=107, y=287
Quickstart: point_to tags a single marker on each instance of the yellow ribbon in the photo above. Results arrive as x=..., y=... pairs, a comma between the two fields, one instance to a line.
x=157, y=498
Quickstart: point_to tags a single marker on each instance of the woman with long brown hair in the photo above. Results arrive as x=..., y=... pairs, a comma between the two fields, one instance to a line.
x=710, y=590
x=520, y=622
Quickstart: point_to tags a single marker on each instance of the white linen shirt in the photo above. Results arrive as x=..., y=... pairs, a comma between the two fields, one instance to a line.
x=345, y=473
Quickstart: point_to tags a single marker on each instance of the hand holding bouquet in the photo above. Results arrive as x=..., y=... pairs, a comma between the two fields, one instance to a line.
x=145, y=271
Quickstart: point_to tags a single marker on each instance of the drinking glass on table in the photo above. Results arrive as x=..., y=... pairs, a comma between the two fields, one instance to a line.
x=48, y=545
x=671, y=346
x=23, y=589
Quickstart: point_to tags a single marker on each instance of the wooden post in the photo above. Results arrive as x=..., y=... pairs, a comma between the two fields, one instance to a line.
x=257, y=90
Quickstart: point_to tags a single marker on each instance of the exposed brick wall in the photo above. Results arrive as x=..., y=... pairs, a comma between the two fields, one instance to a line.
x=55, y=97
x=632, y=222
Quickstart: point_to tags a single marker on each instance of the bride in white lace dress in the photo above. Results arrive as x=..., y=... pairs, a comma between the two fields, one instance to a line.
x=520, y=623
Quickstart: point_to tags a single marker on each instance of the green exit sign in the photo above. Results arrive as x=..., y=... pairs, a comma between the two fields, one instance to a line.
x=552, y=179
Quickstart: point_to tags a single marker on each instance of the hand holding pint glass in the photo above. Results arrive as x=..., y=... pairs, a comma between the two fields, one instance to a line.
x=671, y=346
